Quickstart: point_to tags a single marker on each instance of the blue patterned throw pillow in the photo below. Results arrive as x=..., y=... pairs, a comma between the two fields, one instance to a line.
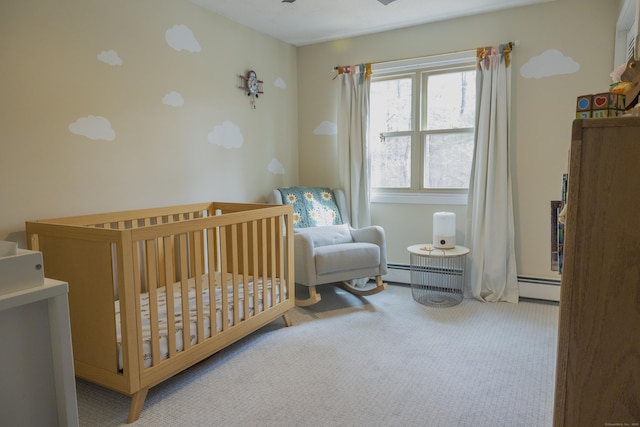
x=312, y=206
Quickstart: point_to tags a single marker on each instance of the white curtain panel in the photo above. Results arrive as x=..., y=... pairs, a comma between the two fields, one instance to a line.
x=353, y=124
x=491, y=269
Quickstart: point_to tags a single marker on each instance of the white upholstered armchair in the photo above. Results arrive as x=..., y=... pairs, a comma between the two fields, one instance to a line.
x=327, y=249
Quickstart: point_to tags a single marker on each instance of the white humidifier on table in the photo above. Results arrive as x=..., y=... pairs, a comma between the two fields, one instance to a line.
x=444, y=230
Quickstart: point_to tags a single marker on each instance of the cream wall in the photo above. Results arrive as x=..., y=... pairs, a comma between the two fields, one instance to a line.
x=161, y=154
x=543, y=109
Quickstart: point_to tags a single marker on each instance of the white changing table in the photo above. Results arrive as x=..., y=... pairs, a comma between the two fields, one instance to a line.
x=36, y=360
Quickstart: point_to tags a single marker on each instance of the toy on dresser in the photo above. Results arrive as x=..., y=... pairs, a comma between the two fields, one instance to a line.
x=631, y=74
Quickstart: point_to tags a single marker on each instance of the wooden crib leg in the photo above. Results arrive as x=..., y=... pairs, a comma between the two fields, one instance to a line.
x=137, y=401
x=287, y=319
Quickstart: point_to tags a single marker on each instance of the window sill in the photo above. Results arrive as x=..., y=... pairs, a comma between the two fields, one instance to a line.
x=419, y=198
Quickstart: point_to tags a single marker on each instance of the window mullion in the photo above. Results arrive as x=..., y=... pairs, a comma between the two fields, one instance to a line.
x=417, y=164
x=445, y=131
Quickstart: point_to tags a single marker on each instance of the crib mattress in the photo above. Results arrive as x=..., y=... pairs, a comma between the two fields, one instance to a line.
x=177, y=315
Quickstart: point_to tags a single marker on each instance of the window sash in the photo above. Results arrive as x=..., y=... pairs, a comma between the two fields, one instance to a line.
x=419, y=70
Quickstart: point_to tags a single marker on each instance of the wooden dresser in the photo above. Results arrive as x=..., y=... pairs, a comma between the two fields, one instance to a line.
x=598, y=365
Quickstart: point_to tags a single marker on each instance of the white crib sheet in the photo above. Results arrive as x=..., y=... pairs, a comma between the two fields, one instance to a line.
x=178, y=321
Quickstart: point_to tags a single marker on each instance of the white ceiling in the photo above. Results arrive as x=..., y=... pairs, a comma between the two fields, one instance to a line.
x=312, y=21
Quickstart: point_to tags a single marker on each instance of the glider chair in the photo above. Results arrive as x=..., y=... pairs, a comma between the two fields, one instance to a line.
x=327, y=249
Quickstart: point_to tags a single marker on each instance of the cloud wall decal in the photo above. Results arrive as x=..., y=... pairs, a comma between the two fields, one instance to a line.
x=180, y=37
x=280, y=83
x=275, y=167
x=326, y=128
x=227, y=135
x=549, y=63
x=110, y=57
x=174, y=99
x=93, y=127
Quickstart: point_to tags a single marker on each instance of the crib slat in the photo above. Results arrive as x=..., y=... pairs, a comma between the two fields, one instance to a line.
x=254, y=270
x=192, y=260
x=234, y=274
x=152, y=283
x=245, y=270
x=198, y=259
x=265, y=274
x=166, y=276
x=184, y=292
x=280, y=240
x=169, y=273
x=137, y=285
x=273, y=270
x=223, y=279
x=197, y=254
x=212, y=250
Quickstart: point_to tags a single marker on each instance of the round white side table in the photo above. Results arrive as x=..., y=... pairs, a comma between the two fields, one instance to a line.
x=437, y=275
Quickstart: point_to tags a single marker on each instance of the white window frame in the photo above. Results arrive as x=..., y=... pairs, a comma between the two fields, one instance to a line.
x=626, y=33
x=395, y=69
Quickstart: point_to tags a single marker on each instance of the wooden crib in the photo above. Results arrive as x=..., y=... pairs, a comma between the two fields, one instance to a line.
x=229, y=267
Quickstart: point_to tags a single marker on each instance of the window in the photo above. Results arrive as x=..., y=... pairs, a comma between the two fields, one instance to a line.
x=626, y=32
x=631, y=41
x=421, y=130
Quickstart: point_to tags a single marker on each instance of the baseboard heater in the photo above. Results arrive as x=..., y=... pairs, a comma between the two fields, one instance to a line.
x=535, y=288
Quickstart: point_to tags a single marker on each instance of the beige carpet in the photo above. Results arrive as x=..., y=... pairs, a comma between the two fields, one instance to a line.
x=383, y=360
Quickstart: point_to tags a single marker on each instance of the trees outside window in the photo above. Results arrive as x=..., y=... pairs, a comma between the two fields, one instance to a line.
x=421, y=129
